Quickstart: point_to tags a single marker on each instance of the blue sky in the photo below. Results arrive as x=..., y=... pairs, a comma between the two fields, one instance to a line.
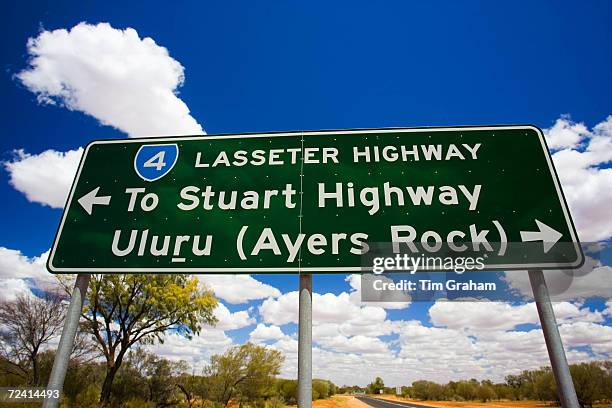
x=252, y=67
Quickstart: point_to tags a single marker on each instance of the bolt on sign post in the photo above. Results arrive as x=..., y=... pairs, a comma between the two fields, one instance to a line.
x=312, y=202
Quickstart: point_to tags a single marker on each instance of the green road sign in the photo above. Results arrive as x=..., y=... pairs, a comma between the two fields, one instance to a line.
x=314, y=201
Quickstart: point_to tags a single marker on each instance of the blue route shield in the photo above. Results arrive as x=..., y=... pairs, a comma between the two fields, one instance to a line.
x=153, y=162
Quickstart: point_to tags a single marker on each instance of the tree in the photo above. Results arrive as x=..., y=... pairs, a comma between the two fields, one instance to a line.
x=161, y=376
x=485, y=392
x=288, y=390
x=320, y=389
x=245, y=372
x=26, y=325
x=124, y=310
x=375, y=386
x=590, y=382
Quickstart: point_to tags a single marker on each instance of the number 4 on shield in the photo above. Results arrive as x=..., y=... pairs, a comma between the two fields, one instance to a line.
x=153, y=162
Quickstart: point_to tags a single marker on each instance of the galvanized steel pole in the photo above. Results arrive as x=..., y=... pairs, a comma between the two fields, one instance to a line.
x=305, y=342
x=71, y=325
x=558, y=360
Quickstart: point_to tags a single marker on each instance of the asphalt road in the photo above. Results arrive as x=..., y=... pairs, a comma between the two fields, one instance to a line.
x=380, y=403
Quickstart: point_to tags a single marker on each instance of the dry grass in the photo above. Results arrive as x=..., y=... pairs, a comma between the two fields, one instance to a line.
x=476, y=404
x=348, y=401
x=337, y=401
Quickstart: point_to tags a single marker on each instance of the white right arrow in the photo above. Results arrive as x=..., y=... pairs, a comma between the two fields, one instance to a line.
x=546, y=234
x=91, y=198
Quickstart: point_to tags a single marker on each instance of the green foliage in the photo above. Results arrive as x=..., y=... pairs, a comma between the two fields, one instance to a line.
x=323, y=389
x=376, y=386
x=287, y=389
x=245, y=373
x=88, y=397
x=592, y=382
x=427, y=390
x=137, y=403
x=485, y=393
x=351, y=389
x=124, y=310
x=275, y=402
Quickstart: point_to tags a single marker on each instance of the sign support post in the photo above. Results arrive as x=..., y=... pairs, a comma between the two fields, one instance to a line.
x=305, y=342
x=556, y=353
x=71, y=325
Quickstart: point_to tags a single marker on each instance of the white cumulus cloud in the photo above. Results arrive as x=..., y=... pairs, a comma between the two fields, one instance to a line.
x=44, y=178
x=237, y=289
x=263, y=333
x=113, y=75
x=20, y=273
x=582, y=158
x=479, y=317
x=232, y=321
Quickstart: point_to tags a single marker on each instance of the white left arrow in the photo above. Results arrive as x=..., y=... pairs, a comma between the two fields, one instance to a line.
x=549, y=236
x=91, y=198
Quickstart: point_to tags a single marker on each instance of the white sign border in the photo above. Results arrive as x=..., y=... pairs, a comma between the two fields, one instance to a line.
x=579, y=262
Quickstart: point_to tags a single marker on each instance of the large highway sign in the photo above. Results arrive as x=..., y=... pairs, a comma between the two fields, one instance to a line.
x=314, y=201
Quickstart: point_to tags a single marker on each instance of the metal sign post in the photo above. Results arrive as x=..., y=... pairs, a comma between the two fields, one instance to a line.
x=305, y=342
x=64, y=349
x=556, y=353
